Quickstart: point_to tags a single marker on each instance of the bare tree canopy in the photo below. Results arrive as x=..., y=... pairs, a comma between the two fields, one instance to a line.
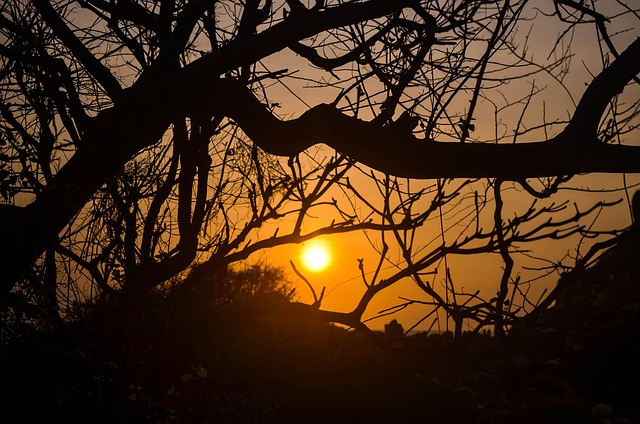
x=133, y=131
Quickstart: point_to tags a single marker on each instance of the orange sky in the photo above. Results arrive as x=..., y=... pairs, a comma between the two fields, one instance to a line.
x=342, y=278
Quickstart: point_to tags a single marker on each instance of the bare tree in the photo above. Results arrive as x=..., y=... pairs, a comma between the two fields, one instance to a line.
x=139, y=136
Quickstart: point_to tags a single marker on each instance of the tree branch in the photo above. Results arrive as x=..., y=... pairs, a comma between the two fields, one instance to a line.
x=610, y=82
x=90, y=62
x=395, y=152
x=145, y=112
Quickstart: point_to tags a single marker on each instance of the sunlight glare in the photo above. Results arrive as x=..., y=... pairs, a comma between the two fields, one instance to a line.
x=315, y=256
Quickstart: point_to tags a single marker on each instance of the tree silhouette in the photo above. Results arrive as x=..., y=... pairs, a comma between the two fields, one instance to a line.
x=141, y=136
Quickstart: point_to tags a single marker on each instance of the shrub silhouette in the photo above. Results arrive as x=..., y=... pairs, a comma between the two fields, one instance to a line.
x=393, y=331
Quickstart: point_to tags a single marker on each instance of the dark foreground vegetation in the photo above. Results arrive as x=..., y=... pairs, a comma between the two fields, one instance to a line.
x=242, y=353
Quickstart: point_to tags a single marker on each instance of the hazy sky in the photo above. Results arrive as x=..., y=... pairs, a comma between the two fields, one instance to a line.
x=342, y=278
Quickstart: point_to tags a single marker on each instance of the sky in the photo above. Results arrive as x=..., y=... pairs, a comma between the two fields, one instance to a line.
x=342, y=278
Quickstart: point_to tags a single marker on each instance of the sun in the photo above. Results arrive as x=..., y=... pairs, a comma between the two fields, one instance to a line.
x=315, y=255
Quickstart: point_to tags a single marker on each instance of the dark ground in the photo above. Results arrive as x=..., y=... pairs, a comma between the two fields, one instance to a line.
x=272, y=368
x=254, y=361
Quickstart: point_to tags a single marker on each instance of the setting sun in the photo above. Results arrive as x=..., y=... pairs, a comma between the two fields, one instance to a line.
x=315, y=256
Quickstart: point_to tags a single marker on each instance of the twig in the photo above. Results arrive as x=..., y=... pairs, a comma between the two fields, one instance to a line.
x=316, y=300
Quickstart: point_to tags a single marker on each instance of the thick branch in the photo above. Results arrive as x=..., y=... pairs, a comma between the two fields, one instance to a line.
x=397, y=153
x=608, y=84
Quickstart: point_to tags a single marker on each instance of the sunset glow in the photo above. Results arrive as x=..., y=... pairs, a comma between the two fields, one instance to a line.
x=315, y=256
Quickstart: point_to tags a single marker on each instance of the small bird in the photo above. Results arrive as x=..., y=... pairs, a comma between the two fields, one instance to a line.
x=465, y=127
x=406, y=122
